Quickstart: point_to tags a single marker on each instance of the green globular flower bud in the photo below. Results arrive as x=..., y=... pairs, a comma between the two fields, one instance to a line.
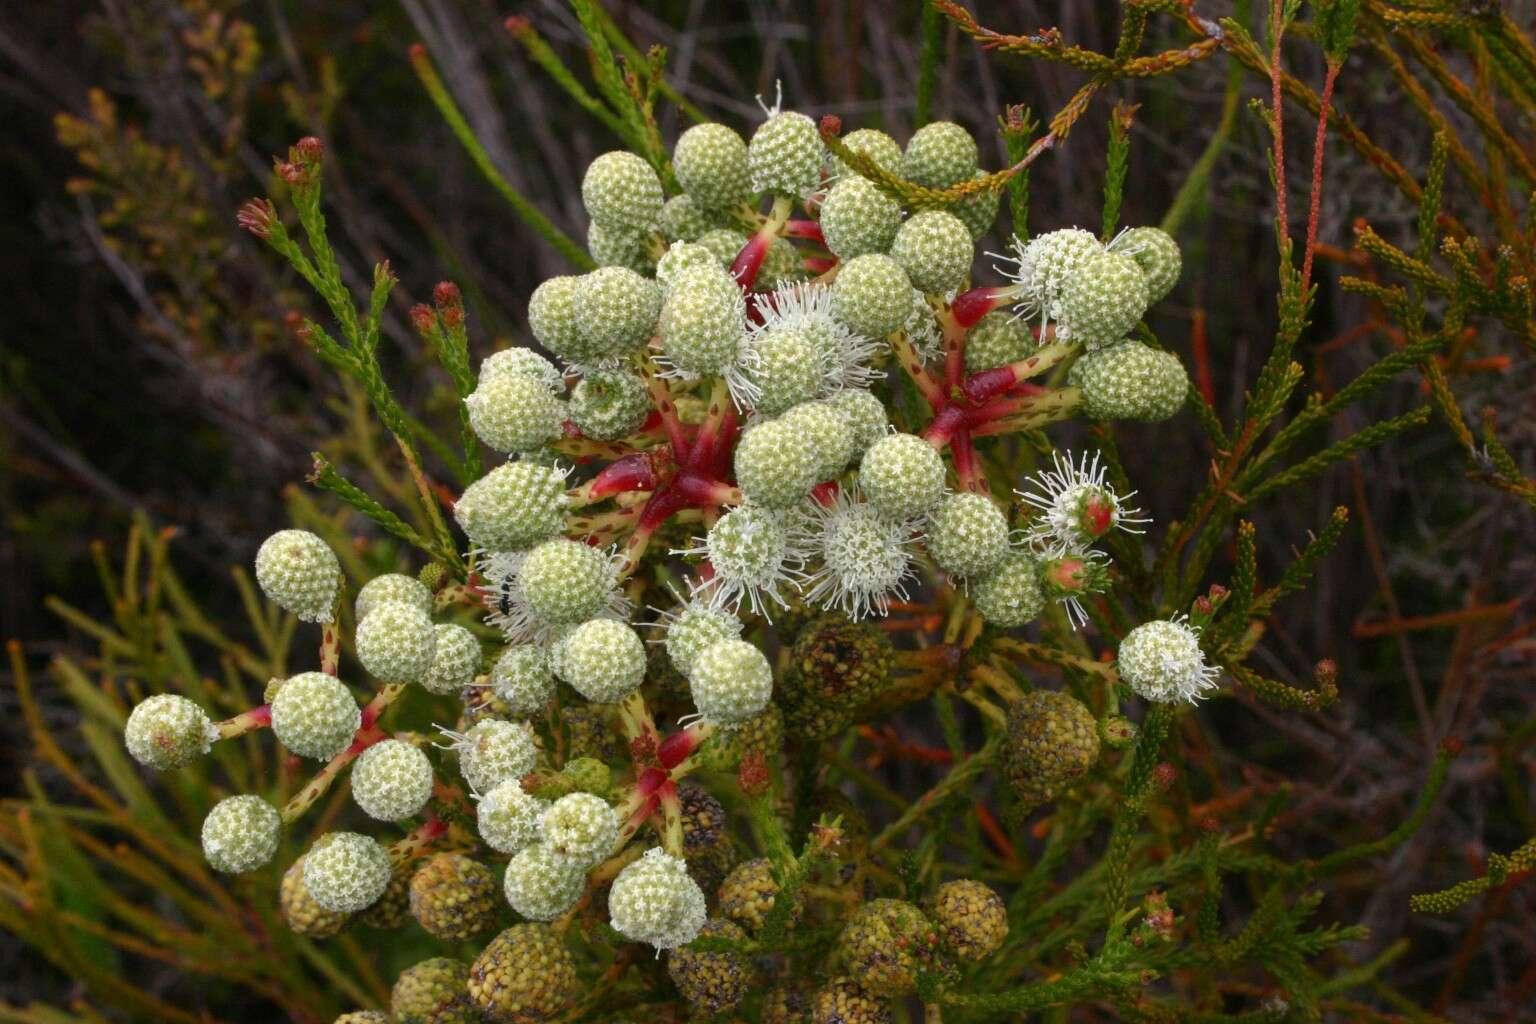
x=621, y=192
x=522, y=362
x=858, y=218
x=1158, y=256
x=775, y=468
x=935, y=249
x=541, y=885
x=240, y=834
x=392, y=780
x=514, y=414
x=710, y=161
x=785, y=155
x=724, y=243
x=1162, y=662
x=552, y=318
x=1130, y=381
x=872, y=295
x=396, y=643
x=999, y=338
x=883, y=150
x=508, y=817
x=299, y=573
x=703, y=321
x=455, y=660
x=620, y=249
x=1049, y=261
x=494, y=751
x=565, y=581
x=731, y=681
x=617, y=310
x=697, y=626
x=454, y=897
x=603, y=660
x=711, y=982
x=679, y=257
x=827, y=431
x=609, y=404
x=521, y=678
x=683, y=220
x=346, y=872
x=392, y=586
x=1052, y=741
x=654, y=900
x=978, y=211
x=866, y=414
x=435, y=991
x=939, y=154
x=1010, y=595
x=968, y=535
x=580, y=828
x=168, y=731
x=885, y=944
x=842, y=1001
x=971, y=917
x=524, y=976
x=512, y=507
x=1102, y=300
x=902, y=476
x=315, y=715
x=782, y=265
x=300, y=911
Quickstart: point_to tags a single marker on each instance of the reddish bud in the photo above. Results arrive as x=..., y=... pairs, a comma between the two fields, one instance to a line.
x=422, y=318
x=1203, y=606
x=1163, y=775
x=453, y=316
x=292, y=173
x=517, y=25
x=674, y=750
x=446, y=293
x=1067, y=573
x=1452, y=745
x=831, y=126
x=310, y=149
x=642, y=749
x=1098, y=515
x=256, y=216
x=752, y=775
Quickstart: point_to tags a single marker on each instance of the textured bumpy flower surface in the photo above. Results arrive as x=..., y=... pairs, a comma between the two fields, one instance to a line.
x=1162, y=661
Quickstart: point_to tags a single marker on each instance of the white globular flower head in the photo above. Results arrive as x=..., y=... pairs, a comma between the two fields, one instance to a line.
x=1162, y=662
x=455, y=659
x=315, y=715
x=827, y=431
x=565, y=581
x=617, y=311
x=241, y=834
x=865, y=556
x=922, y=327
x=627, y=249
x=514, y=413
x=168, y=731
x=807, y=308
x=999, y=338
x=731, y=681
x=873, y=143
x=609, y=404
x=871, y=295
x=522, y=362
x=683, y=220
x=703, y=321
x=521, y=679
x=1077, y=505
x=752, y=551
x=540, y=885
x=580, y=828
x=858, y=218
x=1158, y=255
x=392, y=586
x=622, y=192
x=392, y=780
x=346, y=872
x=774, y=467
x=866, y=414
x=1044, y=264
x=935, y=249
x=655, y=901
x=514, y=506
x=299, y=573
x=1130, y=381
x=492, y=751
x=902, y=476
x=782, y=265
x=508, y=817
x=692, y=628
x=939, y=154
x=1010, y=594
x=968, y=535
x=603, y=660
x=724, y=244
x=785, y=155
x=678, y=258
x=396, y=643
x=1104, y=297
x=783, y=367
x=552, y=318
x=710, y=161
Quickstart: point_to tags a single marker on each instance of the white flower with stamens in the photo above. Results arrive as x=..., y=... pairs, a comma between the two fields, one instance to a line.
x=1041, y=267
x=690, y=627
x=1077, y=506
x=1162, y=661
x=845, y=355
x=508, y=605
x=865, y=559
x=752, y=551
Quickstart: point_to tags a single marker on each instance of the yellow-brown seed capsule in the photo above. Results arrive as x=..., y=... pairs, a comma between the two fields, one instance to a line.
x=524, y=975
x=711, y=982
x=454, y=897
x=971, y=917
x=432, y=992
x=885, y=945
x=393, y=908
x=1052, y=740
x=747, y=894
x=305, y=916
x=842, y=1002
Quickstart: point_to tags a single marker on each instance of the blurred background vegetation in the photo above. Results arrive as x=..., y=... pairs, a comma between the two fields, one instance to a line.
x=148, y=383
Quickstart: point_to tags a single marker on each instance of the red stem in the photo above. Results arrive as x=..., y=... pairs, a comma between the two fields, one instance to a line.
x=1324, y=103
x=749, y=261
x=634, y=472
x=1276, y=27
x=971, y=306
x=803, y=229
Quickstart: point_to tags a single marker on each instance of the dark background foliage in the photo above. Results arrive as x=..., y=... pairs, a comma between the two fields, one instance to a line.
x=145, y=363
